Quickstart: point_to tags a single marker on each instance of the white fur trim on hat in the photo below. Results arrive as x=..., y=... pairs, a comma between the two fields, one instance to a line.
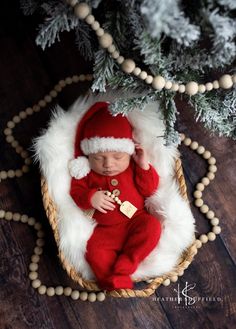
x=107, y=144
x=79, y=167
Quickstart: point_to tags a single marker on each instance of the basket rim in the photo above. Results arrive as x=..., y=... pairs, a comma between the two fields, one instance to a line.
x=184, y=261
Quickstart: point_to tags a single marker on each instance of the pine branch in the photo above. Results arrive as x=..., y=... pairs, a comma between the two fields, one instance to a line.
x=83, y=41
x=124, y=106
x=61, y=19
x=103, y=70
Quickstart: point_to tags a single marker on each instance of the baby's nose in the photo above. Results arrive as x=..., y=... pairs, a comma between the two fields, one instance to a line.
x=107, y=163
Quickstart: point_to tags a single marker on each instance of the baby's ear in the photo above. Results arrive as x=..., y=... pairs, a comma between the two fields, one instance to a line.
x=79, y=167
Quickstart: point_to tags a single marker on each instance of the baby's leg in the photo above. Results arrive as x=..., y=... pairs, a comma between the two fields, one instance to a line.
x=102, y=249
x=143, y=235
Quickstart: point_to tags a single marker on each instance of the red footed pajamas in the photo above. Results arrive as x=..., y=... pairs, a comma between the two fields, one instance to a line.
x=118, y=244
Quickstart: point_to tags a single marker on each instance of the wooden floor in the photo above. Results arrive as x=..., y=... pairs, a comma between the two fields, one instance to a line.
x=27, y=74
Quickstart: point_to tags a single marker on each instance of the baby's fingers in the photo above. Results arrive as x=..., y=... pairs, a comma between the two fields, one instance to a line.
x=108, y=205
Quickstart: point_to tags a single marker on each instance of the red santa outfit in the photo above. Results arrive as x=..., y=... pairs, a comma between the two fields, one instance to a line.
x=118, y=243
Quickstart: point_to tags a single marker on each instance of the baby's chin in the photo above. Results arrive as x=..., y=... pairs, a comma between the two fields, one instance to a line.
x=110, y=173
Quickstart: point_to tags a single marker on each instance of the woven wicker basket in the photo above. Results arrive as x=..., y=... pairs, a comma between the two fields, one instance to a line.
x=90, y=285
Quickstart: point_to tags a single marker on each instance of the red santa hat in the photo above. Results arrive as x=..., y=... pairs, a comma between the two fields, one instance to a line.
x=99, y=131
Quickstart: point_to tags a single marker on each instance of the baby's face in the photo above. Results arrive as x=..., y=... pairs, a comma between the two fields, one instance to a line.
x=109, y=163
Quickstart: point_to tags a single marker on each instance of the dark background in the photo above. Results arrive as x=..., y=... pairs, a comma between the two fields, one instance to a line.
x=27, y=75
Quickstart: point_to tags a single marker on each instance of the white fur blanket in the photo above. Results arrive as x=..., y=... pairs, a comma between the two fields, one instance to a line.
x=55, y=147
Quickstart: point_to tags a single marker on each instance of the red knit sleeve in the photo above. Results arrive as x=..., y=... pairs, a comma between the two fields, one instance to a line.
x=146, y=180
x=81, y=194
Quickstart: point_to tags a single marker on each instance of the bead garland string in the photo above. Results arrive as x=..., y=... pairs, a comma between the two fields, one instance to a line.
x=31, y=221
x=83, y=11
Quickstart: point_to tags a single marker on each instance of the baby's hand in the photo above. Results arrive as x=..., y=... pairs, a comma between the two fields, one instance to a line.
x=140, y=157
x=102, y=202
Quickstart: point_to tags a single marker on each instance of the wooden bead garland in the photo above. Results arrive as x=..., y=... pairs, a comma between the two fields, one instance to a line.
x=205, y=181
x=82, y=11
x=8, y=215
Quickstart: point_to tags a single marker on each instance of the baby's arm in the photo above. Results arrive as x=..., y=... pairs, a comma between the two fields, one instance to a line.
x=86, y=198
x=146, y=176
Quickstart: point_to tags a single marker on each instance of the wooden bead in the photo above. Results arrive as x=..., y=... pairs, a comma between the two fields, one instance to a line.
x=36, y=108
x=16, y=216
x=194, y=145
x=201, y=89
x=16, y=119
x=211, y=236
x=203, y=238
x=205, y=181
x=215, y=84
x=82, y=10
x=120, y=60
x=3, y=174
x=90, y=19
x=181, y=89
x=75, y=78
x=59, y=290
x=115, y=54
x=136, y=71
x=29, y=111
x=67, y=291
x=10, y=124
x=42, y=290
x=50, y=291
x=149, y=79
x=35, y=259
x=33, y=267
x=214, y=221
x=168, y=85
x=212, y=161
x=22, y=114
x=175, y=86
x=75, y=294
x=92, y=297
x=18, y=173
x=143, y=75
x=128, y=66
x=7, y=131
x=33, y=275
x=40, y=233
x=83, y=295
x=111, y=49
x=38, y=251
x=204, y=209
x=9, y=138
x=210, y=214
x=105, y=40
x=8, y=215
x=47, y=98
x=198, y=243
x=38, y=226
x=210, y=175
x=36, y=283
x=31, y=221
x=209, y=86
x=100, y=32
x=200, y=187
x=15, y=144
x=40, y=242
x=206, y=155
x=68, y=81
x=226, y=81
x=180, y=272
x=101, y=296
x=2, y=213
x=58, y=88
x=174, y=278
x=95, y=25
x=197, y=194
x=187, y=141
x=158, y=82
x=53, y=93
x=200, y=149
x=25, y=169
x=198, y=203
x=182, y=137
x=24, y=218
x=212, y=168
x=11, y=173
x=166, y=282
x=191, y=88
x=216, y=229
